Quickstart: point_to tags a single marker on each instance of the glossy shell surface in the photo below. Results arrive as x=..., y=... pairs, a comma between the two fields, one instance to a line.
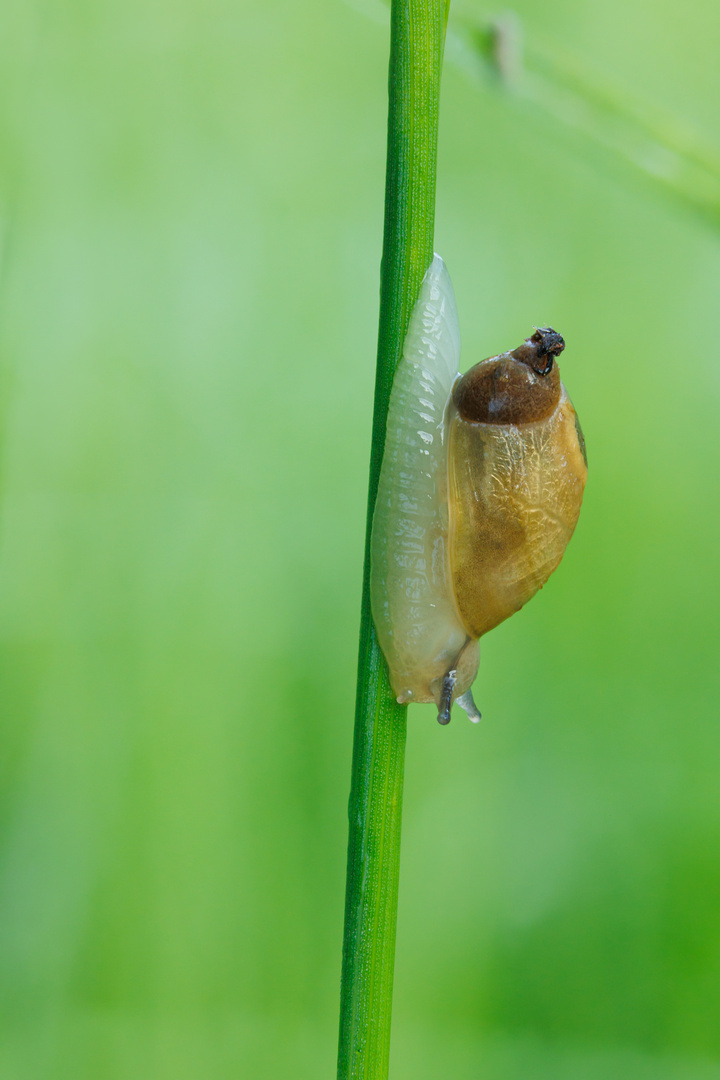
x=515, y=497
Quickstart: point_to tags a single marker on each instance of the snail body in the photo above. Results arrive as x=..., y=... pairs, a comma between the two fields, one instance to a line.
x=479, y=493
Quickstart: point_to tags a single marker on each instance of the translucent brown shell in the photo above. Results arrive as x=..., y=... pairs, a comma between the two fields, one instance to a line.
x=470, y=519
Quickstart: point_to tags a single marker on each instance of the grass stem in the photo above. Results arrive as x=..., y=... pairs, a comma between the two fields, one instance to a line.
x=416, y=47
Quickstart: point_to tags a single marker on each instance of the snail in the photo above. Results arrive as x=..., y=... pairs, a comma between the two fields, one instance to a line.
x=479, y=493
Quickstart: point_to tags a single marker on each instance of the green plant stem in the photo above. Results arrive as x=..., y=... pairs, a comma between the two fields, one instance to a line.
x=536, y=74
x=416, y=48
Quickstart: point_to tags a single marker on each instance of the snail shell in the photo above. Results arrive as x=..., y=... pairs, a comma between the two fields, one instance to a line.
x=480, y=490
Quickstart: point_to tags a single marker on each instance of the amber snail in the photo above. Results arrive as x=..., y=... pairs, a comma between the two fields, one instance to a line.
x=480, y=490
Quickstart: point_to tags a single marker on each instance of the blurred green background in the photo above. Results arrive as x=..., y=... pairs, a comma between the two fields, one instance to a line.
x=191, y=203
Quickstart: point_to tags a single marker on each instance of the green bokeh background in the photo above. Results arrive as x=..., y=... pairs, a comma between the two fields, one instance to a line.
x=191, y=199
